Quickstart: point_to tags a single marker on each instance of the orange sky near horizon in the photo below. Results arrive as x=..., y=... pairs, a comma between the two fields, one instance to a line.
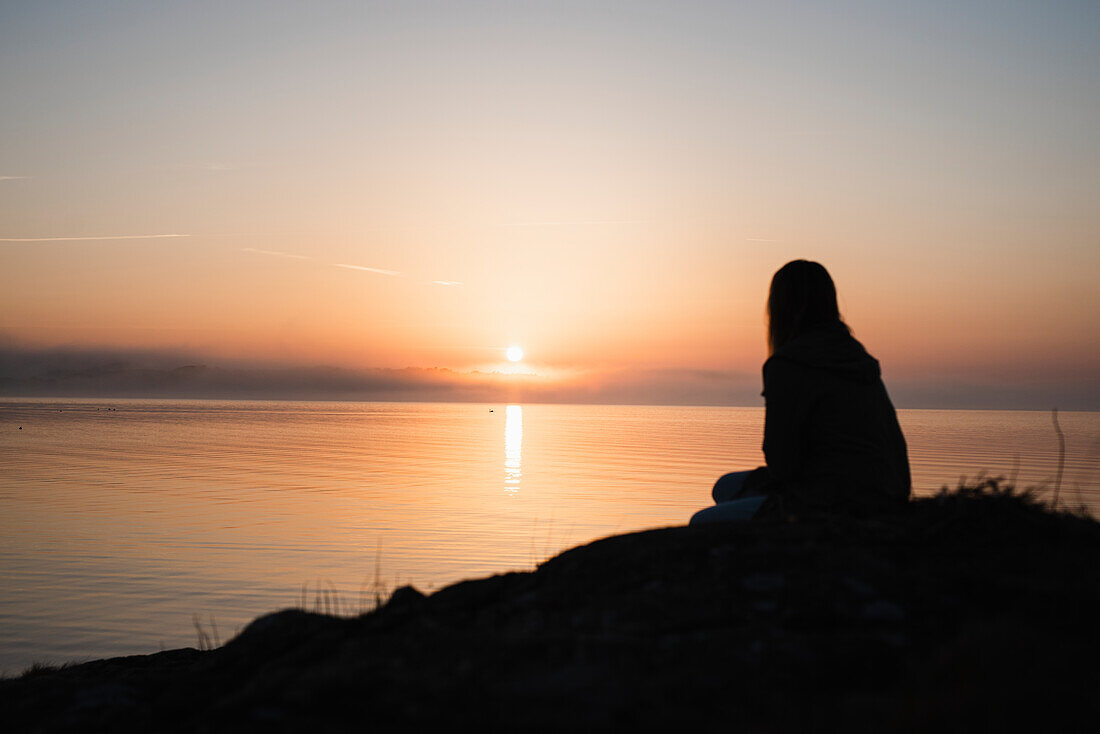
x=378, y=185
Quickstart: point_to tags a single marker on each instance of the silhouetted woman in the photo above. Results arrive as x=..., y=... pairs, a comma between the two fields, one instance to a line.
x=831, y=436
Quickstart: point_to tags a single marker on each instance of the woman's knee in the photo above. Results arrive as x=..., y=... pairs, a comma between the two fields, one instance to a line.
x=729, y=486
x=735, y=511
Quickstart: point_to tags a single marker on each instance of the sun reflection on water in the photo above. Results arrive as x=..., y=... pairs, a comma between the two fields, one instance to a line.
x=513, y=446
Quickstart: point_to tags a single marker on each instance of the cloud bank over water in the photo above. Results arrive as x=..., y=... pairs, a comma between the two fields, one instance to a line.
x=86, y=372
x=82, y=372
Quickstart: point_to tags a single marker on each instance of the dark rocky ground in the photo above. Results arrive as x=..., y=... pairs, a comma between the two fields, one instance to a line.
x=974, y=610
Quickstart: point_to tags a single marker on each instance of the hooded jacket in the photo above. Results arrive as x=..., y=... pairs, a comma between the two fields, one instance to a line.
x=831, y=435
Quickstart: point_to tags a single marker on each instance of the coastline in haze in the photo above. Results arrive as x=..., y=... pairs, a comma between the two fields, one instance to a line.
x=86, y=372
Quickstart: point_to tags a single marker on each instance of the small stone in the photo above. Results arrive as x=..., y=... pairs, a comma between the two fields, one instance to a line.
x=405, y=595
x=881, y=610
x=764, y=582
x=106, y=695
x=263, y=713
x=857, y=586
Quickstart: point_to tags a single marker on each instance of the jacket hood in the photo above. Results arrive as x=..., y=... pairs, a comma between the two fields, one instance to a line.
x=831, y=348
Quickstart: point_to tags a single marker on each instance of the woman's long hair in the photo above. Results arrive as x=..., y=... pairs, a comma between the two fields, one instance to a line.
x=802, y=297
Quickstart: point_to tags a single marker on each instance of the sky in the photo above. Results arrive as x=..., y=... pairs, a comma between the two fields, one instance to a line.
x=610, y=186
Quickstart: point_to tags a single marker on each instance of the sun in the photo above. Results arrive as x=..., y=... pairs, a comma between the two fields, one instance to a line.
x=515, y=354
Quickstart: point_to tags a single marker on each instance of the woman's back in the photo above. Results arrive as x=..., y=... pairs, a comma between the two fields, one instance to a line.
x=831, y=434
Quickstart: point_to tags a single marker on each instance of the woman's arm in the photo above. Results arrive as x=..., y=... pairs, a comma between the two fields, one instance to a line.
x=785, y=418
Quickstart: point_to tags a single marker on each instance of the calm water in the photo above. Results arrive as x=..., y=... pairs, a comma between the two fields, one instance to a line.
x=121, y=520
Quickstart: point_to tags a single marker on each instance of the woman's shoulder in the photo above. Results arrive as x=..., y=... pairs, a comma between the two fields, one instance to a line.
x=778, y=365
x=788, y=377
x=831, y=350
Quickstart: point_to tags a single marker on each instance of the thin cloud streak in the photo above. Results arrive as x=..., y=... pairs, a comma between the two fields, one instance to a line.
x=380, y=271
x=275, y=253
x=85, y=239
x=574, y=222
x=446, y=282
x=12, y=178
x=207, y=166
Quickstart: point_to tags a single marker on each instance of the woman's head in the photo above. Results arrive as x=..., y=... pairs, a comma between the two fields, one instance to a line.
x=802, y=297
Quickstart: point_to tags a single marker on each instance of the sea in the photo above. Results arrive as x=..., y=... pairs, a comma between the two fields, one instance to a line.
x=133, y=526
